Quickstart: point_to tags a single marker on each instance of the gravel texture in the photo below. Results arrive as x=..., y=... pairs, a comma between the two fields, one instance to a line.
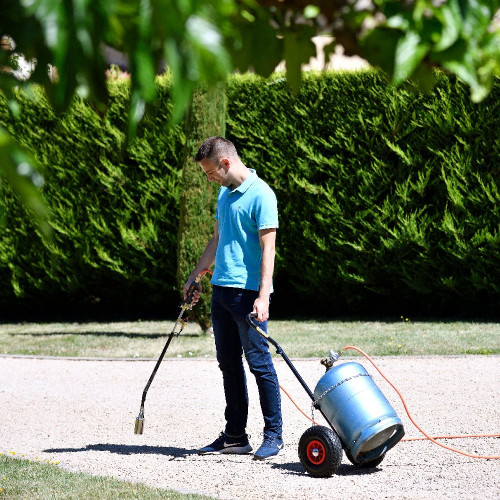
x=82, y=413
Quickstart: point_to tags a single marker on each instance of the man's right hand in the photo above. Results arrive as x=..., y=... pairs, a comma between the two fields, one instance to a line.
x=197, y=291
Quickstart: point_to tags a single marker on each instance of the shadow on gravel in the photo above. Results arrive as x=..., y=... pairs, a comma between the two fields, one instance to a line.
x=122, y=449
x=352, y=470
x=343, y=470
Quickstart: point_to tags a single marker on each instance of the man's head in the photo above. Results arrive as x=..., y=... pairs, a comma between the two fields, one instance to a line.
x=216, y=155
x=214, y=149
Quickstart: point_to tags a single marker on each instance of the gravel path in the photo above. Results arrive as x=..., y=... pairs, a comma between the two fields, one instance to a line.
x=82, y=413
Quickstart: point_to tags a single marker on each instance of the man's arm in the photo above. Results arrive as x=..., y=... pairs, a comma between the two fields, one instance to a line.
x=267, y=238
x=206, y=261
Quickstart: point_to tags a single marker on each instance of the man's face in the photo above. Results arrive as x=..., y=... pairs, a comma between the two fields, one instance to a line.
x=216, y=173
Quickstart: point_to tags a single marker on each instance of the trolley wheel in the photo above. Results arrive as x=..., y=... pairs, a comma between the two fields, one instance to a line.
x=365, y=465
x=320, y=451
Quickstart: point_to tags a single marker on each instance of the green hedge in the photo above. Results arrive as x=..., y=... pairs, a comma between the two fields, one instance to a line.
x=114, y=208
x=206, y=118
x=389, y=199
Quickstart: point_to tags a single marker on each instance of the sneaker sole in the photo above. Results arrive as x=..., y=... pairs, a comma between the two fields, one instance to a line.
x=236, y=450
x=260, y=457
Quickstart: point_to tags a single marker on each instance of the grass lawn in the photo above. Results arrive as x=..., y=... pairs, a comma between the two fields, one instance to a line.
x=145, y=339
x=23, y=479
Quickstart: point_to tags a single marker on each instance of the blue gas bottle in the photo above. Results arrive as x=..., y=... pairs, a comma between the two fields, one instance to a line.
x=357, y=410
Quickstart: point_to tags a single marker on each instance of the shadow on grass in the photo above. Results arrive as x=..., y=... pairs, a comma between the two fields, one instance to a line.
x=107, y=334
x=122, y=449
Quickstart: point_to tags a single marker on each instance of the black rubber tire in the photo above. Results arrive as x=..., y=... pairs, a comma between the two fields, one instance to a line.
x=320, y=451
x=365, y=465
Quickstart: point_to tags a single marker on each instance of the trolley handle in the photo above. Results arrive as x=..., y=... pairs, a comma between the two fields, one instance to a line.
x=255, y=325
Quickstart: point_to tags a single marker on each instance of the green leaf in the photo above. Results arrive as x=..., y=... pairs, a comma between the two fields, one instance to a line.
x=298, y=50
x=460, y=60
x=182, y=87
x=379, y=46
x=477, y=15
x=195, y=54
x=449, y=17
x=136, y=112
x=18, y=167
x=210, y=60
x=143, y=67
x=255, y=44
x=424, y=77
x=410, y=51
x=398, y=21
x=311, y=11
x=490, y=64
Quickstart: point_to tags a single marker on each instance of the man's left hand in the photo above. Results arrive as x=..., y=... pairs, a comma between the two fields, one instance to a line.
x=261, y=308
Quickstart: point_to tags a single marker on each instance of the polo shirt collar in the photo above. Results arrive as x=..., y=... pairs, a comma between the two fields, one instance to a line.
x=247, y=182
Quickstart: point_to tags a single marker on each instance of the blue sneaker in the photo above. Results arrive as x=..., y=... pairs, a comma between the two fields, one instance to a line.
x=270, y=447
x=227, y=444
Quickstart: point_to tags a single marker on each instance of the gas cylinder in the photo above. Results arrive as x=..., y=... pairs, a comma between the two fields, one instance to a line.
x=357, y=410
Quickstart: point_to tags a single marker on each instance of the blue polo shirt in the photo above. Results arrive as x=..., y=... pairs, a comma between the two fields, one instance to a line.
x=241, y=213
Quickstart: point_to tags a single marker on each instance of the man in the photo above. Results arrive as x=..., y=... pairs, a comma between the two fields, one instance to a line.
x=243, y=249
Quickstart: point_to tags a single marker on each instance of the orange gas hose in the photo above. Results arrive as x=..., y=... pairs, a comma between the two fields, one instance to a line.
x=297, y=406
x=427, y=437
x=413, y=421
x=463, y=436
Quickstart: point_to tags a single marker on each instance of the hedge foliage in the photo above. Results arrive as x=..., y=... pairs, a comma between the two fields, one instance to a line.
x=115, y=208
x=389, y=199
x=206, y=118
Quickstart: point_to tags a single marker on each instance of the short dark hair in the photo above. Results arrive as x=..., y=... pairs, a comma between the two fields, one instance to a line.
x=215, y=148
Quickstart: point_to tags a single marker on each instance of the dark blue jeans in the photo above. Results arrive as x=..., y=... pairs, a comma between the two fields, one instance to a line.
x=233, y=336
